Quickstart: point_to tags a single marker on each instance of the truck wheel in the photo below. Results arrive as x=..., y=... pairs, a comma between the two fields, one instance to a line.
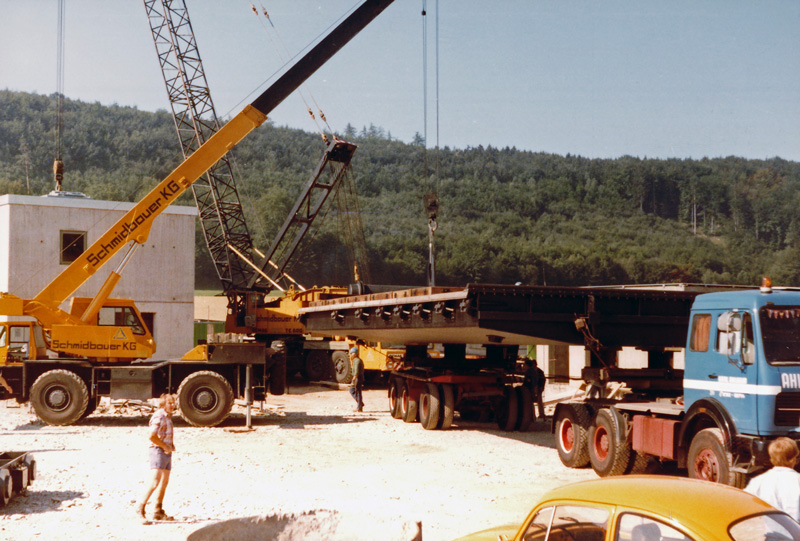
x=408, y=406
x=59, y=397
x=429, y=407
x=277, y=376
x=317, y=365
x=710, y=461
x=205, y=398
x=395, y=386
x=571, y=427
x=607, y=455
x=447, y=403
x=90, y=407
x=507, y=410
x=341, y=365
x=6, y=486
x=525, y=409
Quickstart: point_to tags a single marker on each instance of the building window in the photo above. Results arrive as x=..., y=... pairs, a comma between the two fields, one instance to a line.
x=73, y=244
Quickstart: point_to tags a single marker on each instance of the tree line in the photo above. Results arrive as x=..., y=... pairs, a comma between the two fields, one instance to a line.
x=506, y=216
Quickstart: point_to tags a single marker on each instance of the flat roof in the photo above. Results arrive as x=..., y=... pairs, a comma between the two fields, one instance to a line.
x=84, y=203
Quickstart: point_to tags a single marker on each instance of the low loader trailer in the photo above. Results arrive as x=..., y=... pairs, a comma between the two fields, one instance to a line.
x=739, y=388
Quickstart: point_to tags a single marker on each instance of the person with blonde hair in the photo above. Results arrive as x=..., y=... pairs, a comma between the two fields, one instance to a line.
x=160, y=452
x=780, y=485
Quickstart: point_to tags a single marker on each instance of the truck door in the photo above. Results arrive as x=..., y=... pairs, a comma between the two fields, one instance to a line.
x=720, y=365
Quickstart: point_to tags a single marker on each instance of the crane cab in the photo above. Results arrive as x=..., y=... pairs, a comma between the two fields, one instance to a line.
x=118, y=334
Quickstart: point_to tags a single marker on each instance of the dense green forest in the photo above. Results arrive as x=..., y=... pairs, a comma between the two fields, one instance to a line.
x=506, y=215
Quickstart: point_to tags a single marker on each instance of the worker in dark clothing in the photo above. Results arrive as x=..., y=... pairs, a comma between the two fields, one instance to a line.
x=357, y=385
x=535, y=381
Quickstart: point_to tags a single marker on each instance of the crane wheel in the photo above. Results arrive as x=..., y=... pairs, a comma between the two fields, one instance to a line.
x=205, y=398
x=59, y=397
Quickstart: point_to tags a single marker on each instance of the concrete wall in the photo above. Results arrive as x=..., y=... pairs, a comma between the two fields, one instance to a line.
x=159, y=277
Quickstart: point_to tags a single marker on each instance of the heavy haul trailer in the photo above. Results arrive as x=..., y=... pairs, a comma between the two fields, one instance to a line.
x=63, y=361
x=739, y=389
x=501, y=318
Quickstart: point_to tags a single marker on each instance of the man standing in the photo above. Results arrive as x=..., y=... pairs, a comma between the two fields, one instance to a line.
x=535, y=381
x=780, y=486
x=160, y=452
x=357, y=385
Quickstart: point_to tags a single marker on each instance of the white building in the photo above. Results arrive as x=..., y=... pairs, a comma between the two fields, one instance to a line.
x=40, y=236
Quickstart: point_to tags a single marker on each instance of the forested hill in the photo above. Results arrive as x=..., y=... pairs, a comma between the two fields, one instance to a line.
x=506, y=215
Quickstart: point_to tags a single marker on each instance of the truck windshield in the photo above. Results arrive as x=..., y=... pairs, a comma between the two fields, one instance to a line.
x=780, y=330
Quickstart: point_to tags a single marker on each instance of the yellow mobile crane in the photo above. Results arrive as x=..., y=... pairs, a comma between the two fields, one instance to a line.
x=64, y=361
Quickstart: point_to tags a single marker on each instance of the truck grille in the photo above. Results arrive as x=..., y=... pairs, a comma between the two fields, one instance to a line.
x=787, y=409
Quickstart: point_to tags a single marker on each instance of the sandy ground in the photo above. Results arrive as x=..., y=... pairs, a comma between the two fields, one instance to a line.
x=308, y=452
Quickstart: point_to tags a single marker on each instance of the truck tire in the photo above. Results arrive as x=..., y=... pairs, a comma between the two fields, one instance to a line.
x=525, y=409
x=608, y=455
x=317, y=365
x=571, y=429
x=507, y=410
x=205, y=398
x=710, y=461
x=6, y=487
x=395, y=386
x=429, y=407
x=59, y=397
x=90, y=407
x=31, y=464
x=341, y=366
x=447, y=403
x=408, y=405
x=277, y=376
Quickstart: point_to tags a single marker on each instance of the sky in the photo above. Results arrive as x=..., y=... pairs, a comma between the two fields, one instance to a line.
x=600, y=79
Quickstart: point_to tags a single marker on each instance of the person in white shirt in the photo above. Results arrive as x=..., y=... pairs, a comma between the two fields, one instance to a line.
x=780, y=486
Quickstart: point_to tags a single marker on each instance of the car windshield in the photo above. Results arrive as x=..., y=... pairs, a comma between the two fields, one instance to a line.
x=780, y=329
x=769, y=527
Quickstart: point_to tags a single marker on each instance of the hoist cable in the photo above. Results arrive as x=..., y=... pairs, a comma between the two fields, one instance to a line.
x=284, y=56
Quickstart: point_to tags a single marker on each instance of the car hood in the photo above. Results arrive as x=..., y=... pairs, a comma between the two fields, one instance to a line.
x=508, y=531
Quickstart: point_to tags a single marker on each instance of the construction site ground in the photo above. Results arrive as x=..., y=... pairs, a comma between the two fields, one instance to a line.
x=307, y=456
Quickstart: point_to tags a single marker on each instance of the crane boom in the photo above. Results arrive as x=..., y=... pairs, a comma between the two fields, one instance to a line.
x=135, y=225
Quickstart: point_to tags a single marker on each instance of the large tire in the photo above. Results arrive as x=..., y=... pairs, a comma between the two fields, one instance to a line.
x=710, y=461
x=59, y=397
x=524, y=409
x=507, y=410
x=395, y=392
x=6, y=487
x=90, y=407
x=608, y=455
x=571, y=428
x=277, y=376
x=341, y=366
x=429, y=407
x=205, y=398
x=447, y=402
x=317, y=365
x=408, y=406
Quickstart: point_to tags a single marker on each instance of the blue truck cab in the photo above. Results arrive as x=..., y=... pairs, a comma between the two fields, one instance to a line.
x=742, y=372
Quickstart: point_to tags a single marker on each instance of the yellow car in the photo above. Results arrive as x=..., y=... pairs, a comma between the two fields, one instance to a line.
x=648, y=508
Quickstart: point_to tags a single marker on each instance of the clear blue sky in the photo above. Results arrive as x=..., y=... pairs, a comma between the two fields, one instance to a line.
x=677, y=78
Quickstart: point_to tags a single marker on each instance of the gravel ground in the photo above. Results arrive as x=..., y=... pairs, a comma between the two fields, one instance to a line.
x=308, y=452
